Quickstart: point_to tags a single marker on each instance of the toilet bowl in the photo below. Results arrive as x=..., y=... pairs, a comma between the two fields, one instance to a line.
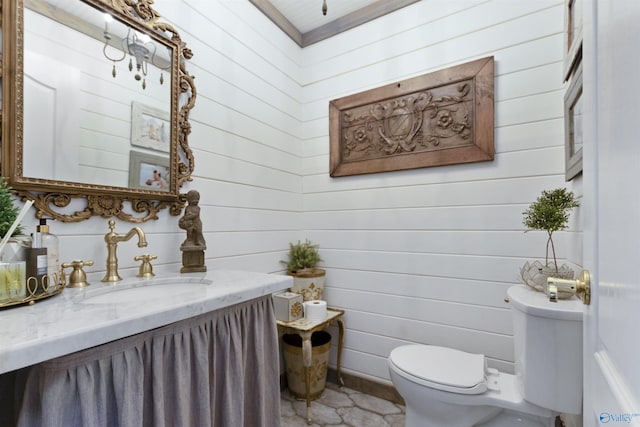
x=448, y=387
x=476, y=395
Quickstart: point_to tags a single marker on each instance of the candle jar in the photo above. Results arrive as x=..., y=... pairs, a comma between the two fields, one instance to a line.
x=12, y=281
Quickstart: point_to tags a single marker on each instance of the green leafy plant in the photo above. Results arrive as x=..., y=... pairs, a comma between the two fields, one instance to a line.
x=550, y=212
x=8, y=212
x=302, y=256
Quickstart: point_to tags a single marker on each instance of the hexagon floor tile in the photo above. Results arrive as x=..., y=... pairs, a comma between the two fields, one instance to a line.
x=341, y=407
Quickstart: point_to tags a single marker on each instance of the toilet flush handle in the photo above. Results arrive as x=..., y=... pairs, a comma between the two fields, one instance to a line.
x=581, y=287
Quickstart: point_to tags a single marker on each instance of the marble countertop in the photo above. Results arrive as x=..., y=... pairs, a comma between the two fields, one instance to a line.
x=77, y=319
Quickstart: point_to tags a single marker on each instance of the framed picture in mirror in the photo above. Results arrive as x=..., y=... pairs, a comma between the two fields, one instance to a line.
x=150, y=127
x=148, y=171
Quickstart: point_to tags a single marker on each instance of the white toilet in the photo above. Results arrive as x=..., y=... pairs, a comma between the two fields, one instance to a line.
x=443, y=387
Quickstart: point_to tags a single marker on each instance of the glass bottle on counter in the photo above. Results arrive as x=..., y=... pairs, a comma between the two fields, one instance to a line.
x=50, y=242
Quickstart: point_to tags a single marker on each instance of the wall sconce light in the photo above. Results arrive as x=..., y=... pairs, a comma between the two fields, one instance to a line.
x=138, y=46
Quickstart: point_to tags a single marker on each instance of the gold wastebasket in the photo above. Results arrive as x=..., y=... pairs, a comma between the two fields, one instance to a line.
x=320, y=346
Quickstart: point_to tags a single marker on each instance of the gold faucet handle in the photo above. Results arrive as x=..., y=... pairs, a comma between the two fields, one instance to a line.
x=146, y=270
x=77, y=278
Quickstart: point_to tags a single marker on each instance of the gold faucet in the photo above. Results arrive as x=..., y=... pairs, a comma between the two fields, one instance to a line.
x=112, y=239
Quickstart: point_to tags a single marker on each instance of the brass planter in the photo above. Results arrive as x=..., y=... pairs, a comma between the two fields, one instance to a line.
x=320, y=347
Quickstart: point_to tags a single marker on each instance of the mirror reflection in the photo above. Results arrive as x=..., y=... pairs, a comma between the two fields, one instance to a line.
x=97, y=99
x=82, y=134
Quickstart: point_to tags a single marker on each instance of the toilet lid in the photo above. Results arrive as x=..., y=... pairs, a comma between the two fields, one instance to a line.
x=442, y=368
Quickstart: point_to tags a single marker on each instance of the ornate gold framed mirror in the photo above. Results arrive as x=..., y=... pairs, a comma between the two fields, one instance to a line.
x=95, y=108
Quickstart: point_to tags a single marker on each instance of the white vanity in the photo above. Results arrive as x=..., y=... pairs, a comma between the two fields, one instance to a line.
x=193, y=349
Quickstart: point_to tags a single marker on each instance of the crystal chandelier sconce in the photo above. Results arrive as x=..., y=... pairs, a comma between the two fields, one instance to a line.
x=324, y=7
x=139, y=47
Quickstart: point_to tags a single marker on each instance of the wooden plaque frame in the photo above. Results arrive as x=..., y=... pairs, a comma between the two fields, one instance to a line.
x=441, y=118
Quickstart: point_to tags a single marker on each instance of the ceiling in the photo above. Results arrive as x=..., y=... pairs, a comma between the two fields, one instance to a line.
x=303, y=21
x=307, y=15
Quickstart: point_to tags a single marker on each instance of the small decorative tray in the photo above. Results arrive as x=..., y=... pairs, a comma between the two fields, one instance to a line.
x=50, y=285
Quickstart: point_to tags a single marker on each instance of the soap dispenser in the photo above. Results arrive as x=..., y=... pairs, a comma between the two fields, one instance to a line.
x=50, y=241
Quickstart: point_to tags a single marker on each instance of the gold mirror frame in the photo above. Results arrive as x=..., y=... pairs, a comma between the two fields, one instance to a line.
x=51, y=197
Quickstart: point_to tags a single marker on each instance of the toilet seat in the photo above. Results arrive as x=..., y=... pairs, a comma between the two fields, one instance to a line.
x=442, y=368
x=501, y=389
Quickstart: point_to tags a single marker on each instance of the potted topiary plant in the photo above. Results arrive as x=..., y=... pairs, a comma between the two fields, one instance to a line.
x=303, y=257
x=14, y=251
x=550, y=213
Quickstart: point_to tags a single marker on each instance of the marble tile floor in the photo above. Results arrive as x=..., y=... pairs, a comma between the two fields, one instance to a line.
x=341, y=407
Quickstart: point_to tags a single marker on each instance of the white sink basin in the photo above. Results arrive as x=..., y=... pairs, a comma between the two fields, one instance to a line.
x=145, y=290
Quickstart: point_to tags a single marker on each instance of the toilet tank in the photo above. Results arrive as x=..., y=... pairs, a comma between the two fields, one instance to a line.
x=548, y=349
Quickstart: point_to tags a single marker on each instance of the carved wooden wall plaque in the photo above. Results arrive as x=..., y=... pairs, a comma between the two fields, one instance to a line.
x=440, y=118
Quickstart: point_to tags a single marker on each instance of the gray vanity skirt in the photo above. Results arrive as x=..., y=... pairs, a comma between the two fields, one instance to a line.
x=217, y=369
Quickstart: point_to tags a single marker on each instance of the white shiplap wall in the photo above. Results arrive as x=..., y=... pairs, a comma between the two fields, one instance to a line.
x=415, y=256
x=245, y=138
x=426, y=255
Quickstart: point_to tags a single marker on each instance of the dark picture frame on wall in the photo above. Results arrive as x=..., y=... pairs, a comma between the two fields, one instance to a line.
x=573, y=126
x=573, y=36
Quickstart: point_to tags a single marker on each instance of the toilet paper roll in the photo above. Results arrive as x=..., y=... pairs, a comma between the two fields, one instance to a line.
x=315, y=310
